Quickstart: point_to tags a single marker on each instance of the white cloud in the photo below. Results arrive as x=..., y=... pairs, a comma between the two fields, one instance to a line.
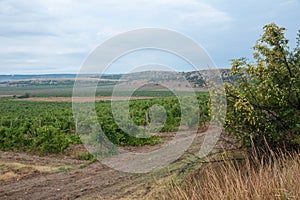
x=61, y=27
x=289, y=2
x=107, y=32
x=49, y=28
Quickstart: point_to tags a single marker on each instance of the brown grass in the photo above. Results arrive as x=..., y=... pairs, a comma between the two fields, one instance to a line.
x=247, y=179
x=11, y=171
x=80, y=99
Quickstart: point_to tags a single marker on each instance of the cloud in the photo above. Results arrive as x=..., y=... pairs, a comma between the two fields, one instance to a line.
x=107, y=32
x=51, y=28
x=68, y=30
x=289, y=2
x=67, y=17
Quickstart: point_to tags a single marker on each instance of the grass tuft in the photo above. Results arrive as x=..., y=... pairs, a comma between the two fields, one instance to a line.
x=275, y=177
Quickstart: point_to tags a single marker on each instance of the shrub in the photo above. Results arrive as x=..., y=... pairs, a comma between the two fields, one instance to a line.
x=264, y=99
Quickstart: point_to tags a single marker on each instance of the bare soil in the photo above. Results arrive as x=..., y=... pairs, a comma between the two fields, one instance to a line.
x=26, y=176
x=69, y=99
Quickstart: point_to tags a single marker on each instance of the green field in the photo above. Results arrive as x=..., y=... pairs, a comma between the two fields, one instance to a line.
x=49, y=127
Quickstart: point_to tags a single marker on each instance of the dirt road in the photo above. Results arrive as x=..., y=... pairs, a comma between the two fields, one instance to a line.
x=67, y=178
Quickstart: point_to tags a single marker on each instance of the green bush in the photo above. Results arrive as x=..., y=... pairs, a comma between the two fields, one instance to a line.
x=264, y=99
x=50, y=140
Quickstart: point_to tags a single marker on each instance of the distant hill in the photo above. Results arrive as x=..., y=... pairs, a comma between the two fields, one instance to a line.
x=5, y=78
x=197, y=78
x=22, y=77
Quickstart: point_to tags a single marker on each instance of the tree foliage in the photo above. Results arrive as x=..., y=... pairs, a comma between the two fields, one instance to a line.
x=264, y=99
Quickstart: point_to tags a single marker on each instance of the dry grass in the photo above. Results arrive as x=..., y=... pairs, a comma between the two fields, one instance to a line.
x=12, y=171
x=277, y=177
x=20, y=166
x=7, y=176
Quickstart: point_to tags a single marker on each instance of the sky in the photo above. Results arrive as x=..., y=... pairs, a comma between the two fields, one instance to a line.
x=57, y=36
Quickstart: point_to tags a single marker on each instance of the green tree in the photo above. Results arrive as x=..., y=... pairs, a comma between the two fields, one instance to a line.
x=264, y=99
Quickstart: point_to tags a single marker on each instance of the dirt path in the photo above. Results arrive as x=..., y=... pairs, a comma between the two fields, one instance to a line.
x=81, y=99
x=63, y=185
x=70, y=182
x=75, y=179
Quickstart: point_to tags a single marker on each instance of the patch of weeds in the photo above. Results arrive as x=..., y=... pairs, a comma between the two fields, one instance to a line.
x=86, y=156
x=65, y=169
x=86, y=164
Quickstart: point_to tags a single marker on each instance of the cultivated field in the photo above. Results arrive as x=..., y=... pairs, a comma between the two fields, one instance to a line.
x=41, y=156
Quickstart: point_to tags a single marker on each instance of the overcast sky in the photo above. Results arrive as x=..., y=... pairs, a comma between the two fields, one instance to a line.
x=56, y=36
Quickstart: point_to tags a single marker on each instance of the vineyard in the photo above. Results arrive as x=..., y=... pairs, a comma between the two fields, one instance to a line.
x=49, y=127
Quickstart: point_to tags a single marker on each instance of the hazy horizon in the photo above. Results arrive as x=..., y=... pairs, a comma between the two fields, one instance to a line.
x=45, y=74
